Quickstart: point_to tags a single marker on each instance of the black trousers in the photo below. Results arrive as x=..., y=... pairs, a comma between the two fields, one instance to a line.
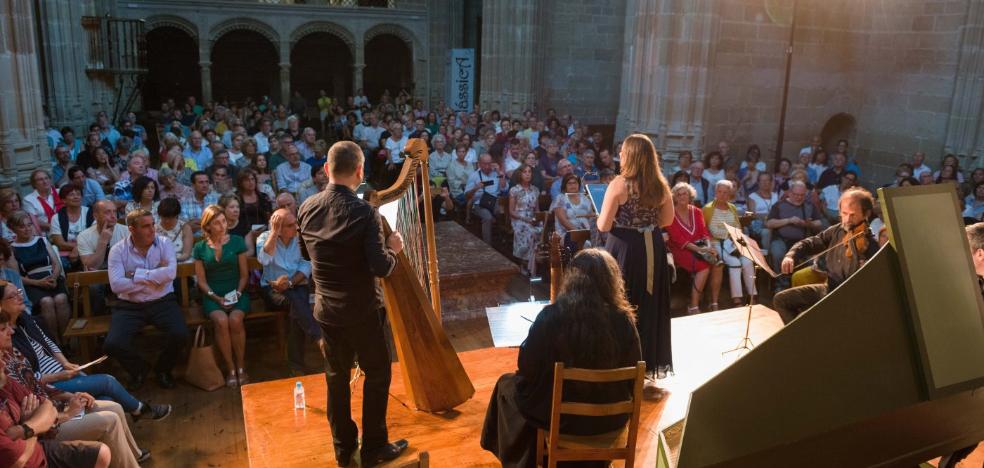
x=794, y=301
x=129, y=318
x=301, y=325
x=342, y=345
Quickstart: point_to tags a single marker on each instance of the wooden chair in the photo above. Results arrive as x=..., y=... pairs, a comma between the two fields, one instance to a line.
x=608, y=446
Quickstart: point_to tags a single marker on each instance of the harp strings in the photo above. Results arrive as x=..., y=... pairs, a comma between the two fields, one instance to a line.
x=410, y=224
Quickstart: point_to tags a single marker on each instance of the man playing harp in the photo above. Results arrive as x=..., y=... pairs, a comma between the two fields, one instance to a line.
x=343, y=237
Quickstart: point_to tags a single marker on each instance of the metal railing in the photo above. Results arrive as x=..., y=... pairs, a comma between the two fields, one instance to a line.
x=115, y=45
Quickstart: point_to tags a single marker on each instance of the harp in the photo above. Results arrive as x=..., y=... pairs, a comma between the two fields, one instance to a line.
x=432, y=373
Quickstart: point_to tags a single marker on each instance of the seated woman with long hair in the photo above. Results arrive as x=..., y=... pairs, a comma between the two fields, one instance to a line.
x=591, y=325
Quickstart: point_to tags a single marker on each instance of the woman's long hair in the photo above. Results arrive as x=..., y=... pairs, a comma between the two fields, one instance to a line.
x=640, y=168
x=592, y=299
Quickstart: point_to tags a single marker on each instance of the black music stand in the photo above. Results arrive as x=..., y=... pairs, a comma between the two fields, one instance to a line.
x=748, y=248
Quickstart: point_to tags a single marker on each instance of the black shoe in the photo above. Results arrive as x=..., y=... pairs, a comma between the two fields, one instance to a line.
x=164, y=380
x=343, y=457
x=144, y=456
x=384, y=454
x=154, y=412
x=136, y=381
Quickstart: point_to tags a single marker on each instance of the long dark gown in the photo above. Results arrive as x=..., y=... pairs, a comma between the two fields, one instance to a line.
x=627, y=243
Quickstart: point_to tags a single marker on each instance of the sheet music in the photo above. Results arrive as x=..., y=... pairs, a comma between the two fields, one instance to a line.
x=596, y=192
x=390, y=212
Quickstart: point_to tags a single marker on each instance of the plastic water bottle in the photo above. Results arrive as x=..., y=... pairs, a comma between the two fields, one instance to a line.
x=298, y=395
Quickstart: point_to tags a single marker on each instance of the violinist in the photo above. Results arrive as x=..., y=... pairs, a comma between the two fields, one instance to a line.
x=842, y=248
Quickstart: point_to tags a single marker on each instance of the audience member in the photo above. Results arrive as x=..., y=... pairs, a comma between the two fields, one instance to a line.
x=63, y=161
x=440, y=158
x=832, y=176
x=717, y=214
x=485, y=184
x=573, y=211
x=830, y=196
x=103, y=170
x=91, y=190
x=315, y=184
x=714, y=165
x=222, y=274
x=564, y=167
x=791, y=220
x=145, y=195
x=43, y=202
x=41, y=270
x=760, y=204
x=95, y=241
x=287, y=202
x=202, y=196
x=142, y=268
x=689, y=242
x=66, y=225
x=291, y=175
x=523, y=201
x=285, y=284
x=458, y=172
x=170, y=226
x=196, y=153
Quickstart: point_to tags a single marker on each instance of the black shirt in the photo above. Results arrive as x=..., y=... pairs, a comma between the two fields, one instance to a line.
x=343, y=238
x=836, y=263
x=544, y=346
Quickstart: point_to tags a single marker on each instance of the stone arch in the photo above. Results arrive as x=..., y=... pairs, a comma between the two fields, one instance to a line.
x=396, y=30
x=246, y=24
x=161, y=21
x=334, y=29
x=839, y=126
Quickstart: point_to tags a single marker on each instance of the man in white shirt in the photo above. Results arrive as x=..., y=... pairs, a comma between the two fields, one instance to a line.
x=372, y=133
x=95, y=241
x=919, y=164
x=831, y=194
x=291, y=175
x=486, y=180
x=262, y=137
x=306, y=145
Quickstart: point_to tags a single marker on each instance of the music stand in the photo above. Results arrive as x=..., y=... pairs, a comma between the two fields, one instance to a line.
x=748, y=248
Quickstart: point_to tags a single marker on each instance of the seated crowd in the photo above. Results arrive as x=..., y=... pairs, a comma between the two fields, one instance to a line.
x=224, y=185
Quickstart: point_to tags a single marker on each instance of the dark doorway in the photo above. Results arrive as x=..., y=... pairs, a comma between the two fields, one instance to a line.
x=172, y=65
x=244, y=64
x=839, y=127
x=389, y=66
x=321, y=61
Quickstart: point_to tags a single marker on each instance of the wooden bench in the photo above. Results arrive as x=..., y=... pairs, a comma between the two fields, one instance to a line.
x=98, y=325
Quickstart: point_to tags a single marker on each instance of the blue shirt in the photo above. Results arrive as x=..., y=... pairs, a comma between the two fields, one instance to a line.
x=286, y=259
x=92, y=192
x=202, y=157
x=191, y=208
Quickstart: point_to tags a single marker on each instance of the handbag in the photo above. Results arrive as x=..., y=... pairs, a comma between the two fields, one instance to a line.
x=489, y=202
x=203, y=372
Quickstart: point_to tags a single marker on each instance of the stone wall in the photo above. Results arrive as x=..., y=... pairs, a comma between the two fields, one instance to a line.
x=581, y=58
x=890, y=65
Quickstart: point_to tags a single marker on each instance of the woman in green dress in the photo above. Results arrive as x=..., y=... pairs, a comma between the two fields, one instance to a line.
x=220, y=268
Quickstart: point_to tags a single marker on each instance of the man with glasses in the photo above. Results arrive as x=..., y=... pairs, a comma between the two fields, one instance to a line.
x=291, y=175
x=791, y=221
x=285, y=284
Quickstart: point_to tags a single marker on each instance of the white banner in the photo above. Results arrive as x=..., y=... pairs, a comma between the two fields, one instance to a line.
x=461, y=80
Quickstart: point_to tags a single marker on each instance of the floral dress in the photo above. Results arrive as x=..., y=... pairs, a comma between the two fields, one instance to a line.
x=524, y=233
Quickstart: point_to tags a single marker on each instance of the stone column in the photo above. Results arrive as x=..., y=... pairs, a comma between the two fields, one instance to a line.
x=965, y=128
x=358, y=64
x=23, y=146
x=61, y=33
x=510, y=42
x=205, y=68
x=285, y=82
x=666, y=72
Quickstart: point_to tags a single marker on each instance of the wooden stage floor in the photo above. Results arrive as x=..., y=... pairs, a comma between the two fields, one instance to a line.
x=278, y=436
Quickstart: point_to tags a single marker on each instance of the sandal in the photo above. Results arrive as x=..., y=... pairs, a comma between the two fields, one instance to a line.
x=243, y=377
x=713, y=306
x=693, y=310
x=231, y=379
